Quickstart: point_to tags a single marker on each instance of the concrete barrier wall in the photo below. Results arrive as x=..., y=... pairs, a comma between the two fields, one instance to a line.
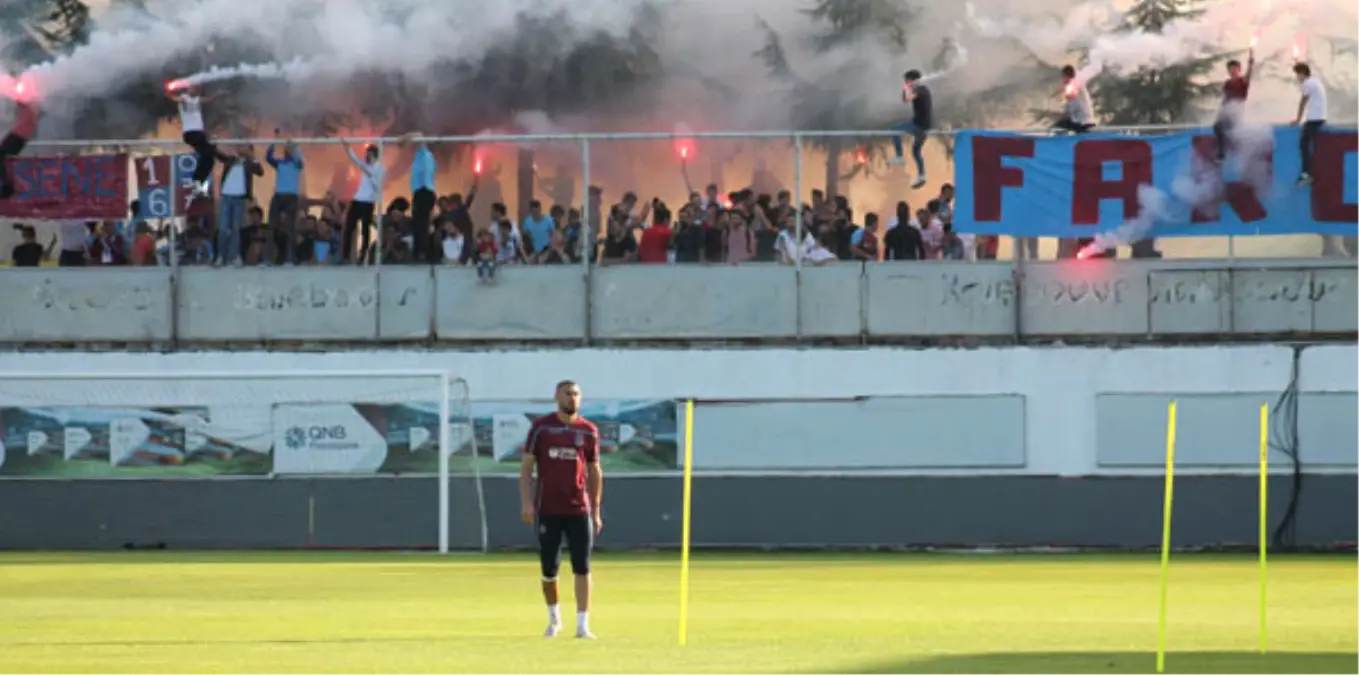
x=882, y=301
x=645, y=512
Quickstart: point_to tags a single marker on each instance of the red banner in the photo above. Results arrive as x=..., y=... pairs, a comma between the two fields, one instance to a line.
x=75, y=187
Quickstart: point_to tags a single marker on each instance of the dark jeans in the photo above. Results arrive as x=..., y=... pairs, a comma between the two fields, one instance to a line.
x=283, y=218
x=918, y=134
x=1307, y=141
x=71, y=259
x=359, y=212
x=205, y=153
x=422, y=207
x=1221, y=128
x=1068, y=125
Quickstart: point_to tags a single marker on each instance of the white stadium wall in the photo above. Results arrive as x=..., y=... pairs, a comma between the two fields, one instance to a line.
x=793, y=447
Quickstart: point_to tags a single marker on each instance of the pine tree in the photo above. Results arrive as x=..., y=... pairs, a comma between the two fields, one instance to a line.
x=22, y=26
x=1153, y=96
x=826, y=104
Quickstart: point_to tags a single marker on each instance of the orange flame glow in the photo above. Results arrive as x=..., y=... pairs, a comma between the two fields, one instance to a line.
x=1255, y=39
x=1070, y=89
x=476, y=165
x=175, y=85
x=861, y=156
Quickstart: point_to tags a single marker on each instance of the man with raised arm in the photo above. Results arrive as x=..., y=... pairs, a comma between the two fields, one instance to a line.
x=190, y=99
x=564, y=502
x=1234, y=93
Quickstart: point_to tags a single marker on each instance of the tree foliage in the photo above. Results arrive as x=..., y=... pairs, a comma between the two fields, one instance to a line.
x=1148, y=95
x=33, y=31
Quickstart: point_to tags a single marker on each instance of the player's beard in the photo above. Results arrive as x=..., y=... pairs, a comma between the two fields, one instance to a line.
x=567, y=408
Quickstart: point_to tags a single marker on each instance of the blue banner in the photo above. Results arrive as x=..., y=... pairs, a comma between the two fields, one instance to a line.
x=1075, y=186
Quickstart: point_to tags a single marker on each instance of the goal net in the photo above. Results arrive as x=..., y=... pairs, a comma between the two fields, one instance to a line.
x=237, y=459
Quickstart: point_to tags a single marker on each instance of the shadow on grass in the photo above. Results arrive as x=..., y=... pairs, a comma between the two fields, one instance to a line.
x=1121, y=662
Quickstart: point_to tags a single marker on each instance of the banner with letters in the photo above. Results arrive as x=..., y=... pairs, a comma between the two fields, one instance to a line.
x=68, y=187
x=1074, y=186
x=316, y=439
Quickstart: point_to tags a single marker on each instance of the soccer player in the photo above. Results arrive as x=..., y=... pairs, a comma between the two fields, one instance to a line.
x=918, y=95
x=564, y=448
x=1078, y=116
x=25, y=125
x=191, y=99
x=1311, y=115
x=1234, y=92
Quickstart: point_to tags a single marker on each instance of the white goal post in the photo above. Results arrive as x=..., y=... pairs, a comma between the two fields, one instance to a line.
x=262, y=424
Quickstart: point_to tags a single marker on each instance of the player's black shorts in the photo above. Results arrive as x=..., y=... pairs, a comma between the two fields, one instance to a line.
x=579, y=533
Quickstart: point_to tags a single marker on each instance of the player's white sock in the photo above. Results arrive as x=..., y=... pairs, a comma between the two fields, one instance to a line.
x=554, y=614
x=583, y=621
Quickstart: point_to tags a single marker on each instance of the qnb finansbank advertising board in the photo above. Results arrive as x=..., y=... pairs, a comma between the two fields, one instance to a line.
x=287, y=439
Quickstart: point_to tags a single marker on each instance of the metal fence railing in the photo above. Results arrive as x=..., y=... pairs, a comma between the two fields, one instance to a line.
x=558, y=170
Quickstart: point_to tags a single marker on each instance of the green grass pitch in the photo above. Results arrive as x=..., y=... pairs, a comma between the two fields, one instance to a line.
x=775, y=612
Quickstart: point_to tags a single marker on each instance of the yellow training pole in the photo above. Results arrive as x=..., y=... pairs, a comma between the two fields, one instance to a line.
x=684, y=534
x=1264, y=518
x=1165, y=536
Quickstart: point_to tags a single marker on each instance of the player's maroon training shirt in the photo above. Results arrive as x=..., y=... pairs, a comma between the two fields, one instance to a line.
x=562, y=450
x=1235, y=89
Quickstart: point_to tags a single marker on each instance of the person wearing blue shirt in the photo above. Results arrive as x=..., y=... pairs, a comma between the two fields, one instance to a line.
x=423, y=198
x=284, y=206
x=539, y=226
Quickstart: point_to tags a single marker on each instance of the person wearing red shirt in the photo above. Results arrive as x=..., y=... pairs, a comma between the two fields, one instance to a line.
x=1234, y=93
x=564, y=449
x=655, y=245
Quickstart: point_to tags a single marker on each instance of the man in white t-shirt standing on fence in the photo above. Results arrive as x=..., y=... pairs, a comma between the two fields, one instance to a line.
x=191, y=99
x=1311, y=116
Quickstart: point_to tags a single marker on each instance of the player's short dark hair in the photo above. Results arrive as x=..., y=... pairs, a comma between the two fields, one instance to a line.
x=946, y=186
x=1302, y=69
x=535, y=204
x=911, y=75
x=566, y=383
x=1068, y=71
x=1233, y=64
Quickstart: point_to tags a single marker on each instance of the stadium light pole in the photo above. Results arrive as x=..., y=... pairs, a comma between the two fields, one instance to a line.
x=797, y=203
x=587, y=229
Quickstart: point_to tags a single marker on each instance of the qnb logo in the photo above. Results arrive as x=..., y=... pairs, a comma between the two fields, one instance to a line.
x=568, y=454
x=318, y=437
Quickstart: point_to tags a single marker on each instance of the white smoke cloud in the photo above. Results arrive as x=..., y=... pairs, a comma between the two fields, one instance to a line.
x=1199, y=185
x=703, y=43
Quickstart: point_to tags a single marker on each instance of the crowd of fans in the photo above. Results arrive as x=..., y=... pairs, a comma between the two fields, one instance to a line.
x=709, y=227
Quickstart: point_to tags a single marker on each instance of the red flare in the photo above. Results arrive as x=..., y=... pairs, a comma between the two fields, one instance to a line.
x=861, y=156
x=684, y=147
x=21, y=89
x=175, y=85
x=476, y=165
x=1254, y=39
x=1070, y=89
x=1298, y=48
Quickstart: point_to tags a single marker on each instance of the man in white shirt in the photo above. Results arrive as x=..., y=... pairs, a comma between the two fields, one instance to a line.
x=1078, y=115
x=789, y=252
x=1311, y=116
x=190, y=99
x=74, y=236
x=361, y=208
